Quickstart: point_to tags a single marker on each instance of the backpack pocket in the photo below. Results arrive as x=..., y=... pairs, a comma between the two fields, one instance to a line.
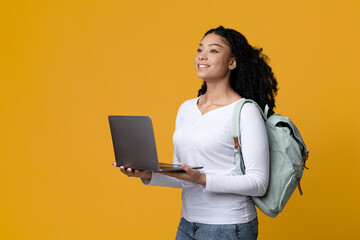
x=288, y=191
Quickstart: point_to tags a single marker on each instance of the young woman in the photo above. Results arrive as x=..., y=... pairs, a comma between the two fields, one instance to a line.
x=216, y=201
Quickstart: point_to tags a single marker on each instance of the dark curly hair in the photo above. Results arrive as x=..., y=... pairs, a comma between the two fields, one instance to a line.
x=252, y=78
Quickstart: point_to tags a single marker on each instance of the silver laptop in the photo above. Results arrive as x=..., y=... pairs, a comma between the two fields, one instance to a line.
x=134, y=144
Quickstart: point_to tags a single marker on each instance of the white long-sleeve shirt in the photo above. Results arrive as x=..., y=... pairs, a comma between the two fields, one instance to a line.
x=205, y=140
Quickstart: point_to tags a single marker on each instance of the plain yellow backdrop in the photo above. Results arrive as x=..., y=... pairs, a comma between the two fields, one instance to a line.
x=66, y=65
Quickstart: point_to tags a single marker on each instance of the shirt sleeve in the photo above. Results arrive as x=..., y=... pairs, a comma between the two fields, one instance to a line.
x=163, y=180
x=255, y=151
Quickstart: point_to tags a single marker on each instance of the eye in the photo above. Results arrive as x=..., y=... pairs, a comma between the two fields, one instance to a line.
x=213, y=51
x=199, y=50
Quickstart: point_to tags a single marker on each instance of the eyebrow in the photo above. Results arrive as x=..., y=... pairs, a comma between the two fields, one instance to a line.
x=213, y=44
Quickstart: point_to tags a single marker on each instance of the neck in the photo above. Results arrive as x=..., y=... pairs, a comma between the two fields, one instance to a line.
x=219, y=92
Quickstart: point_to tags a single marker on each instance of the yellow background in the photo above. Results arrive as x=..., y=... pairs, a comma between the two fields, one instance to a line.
x=66, y=65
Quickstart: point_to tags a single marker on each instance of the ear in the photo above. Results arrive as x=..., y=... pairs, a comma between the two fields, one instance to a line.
x=232, y=64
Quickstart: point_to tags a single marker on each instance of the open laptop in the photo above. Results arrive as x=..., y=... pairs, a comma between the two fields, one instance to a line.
x=134, y=144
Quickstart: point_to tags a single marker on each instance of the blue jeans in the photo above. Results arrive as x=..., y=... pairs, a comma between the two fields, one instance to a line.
x=198, y=231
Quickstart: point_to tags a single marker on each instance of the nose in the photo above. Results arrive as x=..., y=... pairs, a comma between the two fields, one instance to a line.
x=202, y=56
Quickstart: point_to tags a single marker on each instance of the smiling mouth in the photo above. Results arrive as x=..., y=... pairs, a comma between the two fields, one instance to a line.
x=202, y=66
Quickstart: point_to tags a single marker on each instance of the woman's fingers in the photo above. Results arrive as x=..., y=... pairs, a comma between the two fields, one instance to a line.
x=135, y=172
x=189, y=170
x=122, y=169
x=186, y=168
x=191, y=175
x=128, y=171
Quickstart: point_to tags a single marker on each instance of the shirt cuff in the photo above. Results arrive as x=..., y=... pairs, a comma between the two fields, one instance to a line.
x=163, y=180
x=208, y=183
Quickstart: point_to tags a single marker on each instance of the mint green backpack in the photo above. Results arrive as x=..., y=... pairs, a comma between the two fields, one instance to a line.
x=288, y=155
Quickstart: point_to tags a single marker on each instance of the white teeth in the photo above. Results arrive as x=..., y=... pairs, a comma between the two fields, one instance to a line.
x=203, y=66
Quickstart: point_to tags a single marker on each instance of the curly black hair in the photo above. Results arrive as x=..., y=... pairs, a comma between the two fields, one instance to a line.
x=253, y=77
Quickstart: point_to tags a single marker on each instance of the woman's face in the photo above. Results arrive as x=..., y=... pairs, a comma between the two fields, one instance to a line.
x=213, y=60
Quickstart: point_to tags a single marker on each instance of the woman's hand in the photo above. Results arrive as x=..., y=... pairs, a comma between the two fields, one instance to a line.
x=191, y=175
x=145, y=175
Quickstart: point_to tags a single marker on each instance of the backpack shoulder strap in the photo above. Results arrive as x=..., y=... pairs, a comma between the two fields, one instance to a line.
x=235, y=131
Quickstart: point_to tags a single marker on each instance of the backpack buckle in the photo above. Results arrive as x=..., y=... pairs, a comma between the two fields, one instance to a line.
x=236, y=145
